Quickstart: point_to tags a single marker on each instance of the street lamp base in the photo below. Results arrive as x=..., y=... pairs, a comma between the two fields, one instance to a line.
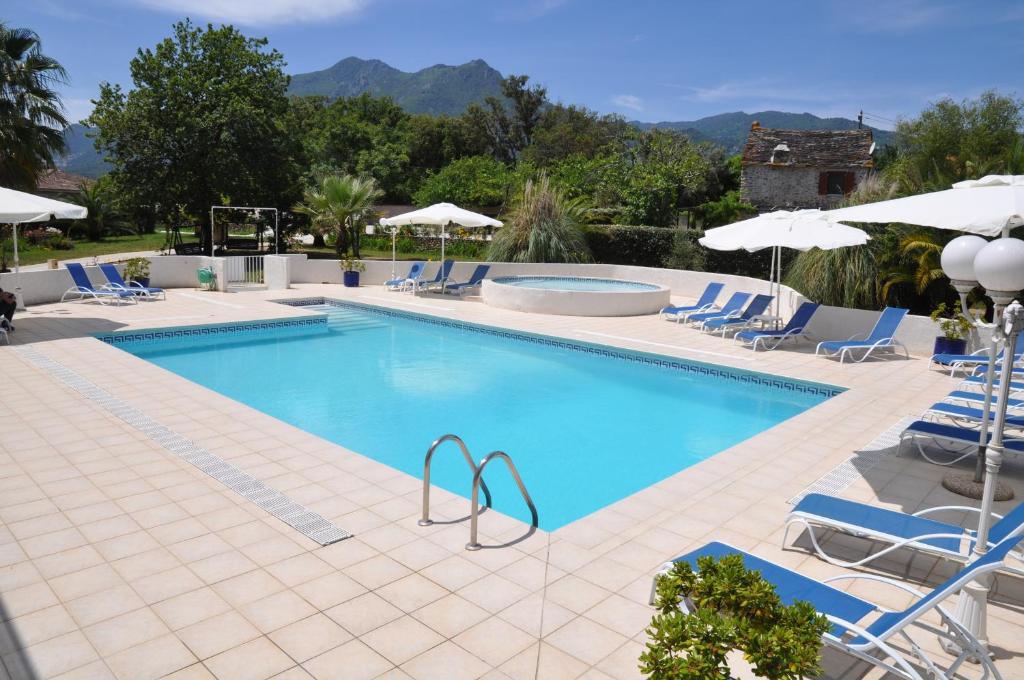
x=963, y=484
x=970, y=612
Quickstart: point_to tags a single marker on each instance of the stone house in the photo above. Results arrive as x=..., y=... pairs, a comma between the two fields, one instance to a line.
x=60, y=185
x=790, y=169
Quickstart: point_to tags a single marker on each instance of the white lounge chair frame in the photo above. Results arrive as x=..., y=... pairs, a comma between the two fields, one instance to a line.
x=951, y=630
x=103, y=295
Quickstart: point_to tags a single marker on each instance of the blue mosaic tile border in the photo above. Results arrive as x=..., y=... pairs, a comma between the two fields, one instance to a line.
x=695, y=367
x=211, y=330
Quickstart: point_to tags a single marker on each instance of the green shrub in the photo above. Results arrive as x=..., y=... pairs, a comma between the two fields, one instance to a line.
x=639, y=246
x=733, y=609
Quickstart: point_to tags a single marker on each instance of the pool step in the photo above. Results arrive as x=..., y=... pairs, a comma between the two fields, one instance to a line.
x=347, y=320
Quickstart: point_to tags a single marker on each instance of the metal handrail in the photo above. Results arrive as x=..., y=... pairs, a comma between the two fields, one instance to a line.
x=478, y=481
x=425, y=520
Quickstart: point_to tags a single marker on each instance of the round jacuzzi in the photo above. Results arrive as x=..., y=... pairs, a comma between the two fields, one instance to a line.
x=574, y=295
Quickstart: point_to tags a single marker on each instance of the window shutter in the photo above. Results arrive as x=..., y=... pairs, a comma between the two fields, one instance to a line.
x=848, y=182
x=822, y=183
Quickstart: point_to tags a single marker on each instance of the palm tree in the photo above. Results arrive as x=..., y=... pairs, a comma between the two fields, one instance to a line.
x=918, y=265
x=340, y=203
x=104, y=218
x=544, y=226
x=32, y=118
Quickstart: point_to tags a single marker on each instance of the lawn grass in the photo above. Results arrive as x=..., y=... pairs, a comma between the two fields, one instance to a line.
x=82, y=249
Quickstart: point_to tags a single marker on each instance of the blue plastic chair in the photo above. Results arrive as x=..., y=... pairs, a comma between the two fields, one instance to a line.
x=897, y=529
x=861, y=628
x=415, y=271
x=772, y=339
x=439, y=278
x=880, y=337
x=732, y=306
x=479, y=274
x=705, y=304
x=84, y=289
x=957, y=362
x=967, y=437
x=737, y=320
x=116, y=282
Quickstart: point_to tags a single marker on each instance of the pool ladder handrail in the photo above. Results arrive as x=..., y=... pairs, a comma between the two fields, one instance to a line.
x=425, y=520
x=478, y=481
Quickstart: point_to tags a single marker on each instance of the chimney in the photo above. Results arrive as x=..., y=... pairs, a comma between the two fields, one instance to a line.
x=755, y=125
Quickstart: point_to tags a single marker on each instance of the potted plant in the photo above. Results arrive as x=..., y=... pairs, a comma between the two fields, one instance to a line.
x=350, y=268
x=954, y=326
x=137, y=269
x=723, y=617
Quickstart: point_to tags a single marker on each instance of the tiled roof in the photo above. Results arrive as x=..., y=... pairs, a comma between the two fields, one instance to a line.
x=810, y=148
x=58, y=181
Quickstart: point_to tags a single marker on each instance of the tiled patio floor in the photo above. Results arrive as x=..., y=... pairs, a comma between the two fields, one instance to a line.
x=118, y=559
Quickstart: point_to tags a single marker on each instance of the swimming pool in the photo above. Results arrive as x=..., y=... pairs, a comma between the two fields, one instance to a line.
x=587, y=425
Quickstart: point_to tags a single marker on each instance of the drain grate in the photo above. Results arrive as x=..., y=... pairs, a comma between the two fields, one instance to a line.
x=303, y=520
x=839, y=478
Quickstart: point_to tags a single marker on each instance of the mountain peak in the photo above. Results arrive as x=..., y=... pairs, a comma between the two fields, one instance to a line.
x=438, y=89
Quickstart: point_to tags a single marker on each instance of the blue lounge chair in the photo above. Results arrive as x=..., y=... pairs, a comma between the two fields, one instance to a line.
x=979, y=398
x=964, y=362
x=84, y=289
x=115, y=282
x=732, y=306
x=439, y=278
x=897, y=529
x=705, y=304
x=966, y=437
x=772, y=339
x=415, y=271
x=863, y=629
x=880, y=337
x=1016, y=387
x=737, y=320
x=479, y=274
x=959, y=412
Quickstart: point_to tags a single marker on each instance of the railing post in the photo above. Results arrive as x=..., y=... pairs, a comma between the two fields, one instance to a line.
x=474, y=509
x=425, y=520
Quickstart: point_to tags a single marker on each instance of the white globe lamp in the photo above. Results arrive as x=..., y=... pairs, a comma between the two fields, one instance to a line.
x=999, y=267
x=958, y=260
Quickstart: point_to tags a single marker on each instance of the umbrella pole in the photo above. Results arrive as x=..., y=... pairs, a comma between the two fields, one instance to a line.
x=394, y=233
x=778, y=283
x=20, y=306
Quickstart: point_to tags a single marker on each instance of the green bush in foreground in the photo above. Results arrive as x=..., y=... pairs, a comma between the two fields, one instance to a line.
x=733, y=609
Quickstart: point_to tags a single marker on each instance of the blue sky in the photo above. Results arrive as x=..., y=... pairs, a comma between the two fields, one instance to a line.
x=652, y=61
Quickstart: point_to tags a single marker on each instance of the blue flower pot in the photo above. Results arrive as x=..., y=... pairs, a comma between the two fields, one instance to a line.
x=350, y=279
x=944, y=345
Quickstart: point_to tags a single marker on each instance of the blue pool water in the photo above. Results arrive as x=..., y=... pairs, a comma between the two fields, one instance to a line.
x=574, y=283
x=586, y=428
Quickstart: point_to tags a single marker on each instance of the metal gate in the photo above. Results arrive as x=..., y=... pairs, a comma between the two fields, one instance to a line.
x=244, y=271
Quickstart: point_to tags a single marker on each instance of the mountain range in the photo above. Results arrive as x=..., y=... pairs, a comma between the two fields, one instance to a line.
x=442, y=89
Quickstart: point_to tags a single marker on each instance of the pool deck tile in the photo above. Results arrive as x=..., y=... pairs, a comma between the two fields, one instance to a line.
x=119, y=560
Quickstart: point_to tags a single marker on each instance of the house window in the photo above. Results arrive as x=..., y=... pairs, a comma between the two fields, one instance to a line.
x=835, y=183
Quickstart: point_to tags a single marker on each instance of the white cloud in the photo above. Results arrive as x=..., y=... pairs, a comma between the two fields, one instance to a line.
x=261, y=12
x=754, y=89
x=897, y=16
x=628, y=101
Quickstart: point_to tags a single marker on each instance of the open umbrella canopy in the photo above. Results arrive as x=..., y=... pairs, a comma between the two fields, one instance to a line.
x=988, y=206
x=17, y=207
x=442, y=214
x=799, y=229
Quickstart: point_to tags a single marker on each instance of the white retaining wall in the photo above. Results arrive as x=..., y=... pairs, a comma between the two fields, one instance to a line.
x=917, y=332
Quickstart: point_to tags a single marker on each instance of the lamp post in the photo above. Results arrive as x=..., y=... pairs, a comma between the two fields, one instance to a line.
x=999, y=267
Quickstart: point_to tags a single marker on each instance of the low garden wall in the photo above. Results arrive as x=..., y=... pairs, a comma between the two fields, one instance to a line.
x=917, y=332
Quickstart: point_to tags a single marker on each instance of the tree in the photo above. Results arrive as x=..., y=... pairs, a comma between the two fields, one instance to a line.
x=32, y=118
x=544, y=226
x=202, y=124
x=953, y=141
x=340, y=203
x=566, y=131
x=477, y=181
x=509, y=132
x=105, y=217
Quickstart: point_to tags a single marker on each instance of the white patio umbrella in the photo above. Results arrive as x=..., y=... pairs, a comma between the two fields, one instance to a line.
x=442, y=215
x=17, y=207
x=990, y=206
x=798, y=229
